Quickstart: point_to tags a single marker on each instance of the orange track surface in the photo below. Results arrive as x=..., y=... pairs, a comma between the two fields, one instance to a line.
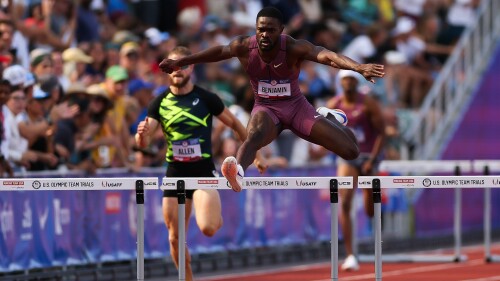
x=473, y=269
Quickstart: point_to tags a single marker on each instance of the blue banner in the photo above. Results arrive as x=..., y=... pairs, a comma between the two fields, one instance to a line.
x=52, y=228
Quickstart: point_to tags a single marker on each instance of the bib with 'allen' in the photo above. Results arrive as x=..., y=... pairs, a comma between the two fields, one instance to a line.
x=186, y=150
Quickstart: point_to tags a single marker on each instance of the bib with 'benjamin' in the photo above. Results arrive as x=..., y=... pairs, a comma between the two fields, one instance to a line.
x=274, y=89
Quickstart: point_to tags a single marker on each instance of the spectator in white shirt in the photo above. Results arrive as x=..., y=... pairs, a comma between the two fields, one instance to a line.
x=364, y=47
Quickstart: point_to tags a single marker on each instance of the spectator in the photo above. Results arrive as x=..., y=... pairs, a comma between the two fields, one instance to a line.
x=129, y=58
x=363, y=48
x=115, y=86
x=87, y=28
x=15, y=147
x=5, y=167
x=76, y=62
x=41, y=63
x=142, y=92
x=58, y=65
x=40, y=131
x=69, y=141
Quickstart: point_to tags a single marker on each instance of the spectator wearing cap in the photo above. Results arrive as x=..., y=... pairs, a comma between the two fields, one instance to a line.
x=154, y=46
x=76, y=62
x=115, y=86
x=112, y=53
x=129, y=58
x=44, y=94
x=142, y=92
x=16, y=75
x=104, y=143
x=40, y=132
x=41, y=63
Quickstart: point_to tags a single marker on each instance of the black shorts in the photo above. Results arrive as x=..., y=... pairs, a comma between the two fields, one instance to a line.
x=202, y=168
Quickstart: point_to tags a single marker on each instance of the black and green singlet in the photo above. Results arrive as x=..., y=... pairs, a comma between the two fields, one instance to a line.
x=186, y=121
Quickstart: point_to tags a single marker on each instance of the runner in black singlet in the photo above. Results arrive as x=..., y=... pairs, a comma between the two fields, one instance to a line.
x=184, y=112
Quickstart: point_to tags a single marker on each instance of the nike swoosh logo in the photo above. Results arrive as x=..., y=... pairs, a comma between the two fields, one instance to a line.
x=277, y=65
x=195, y=102
x=316, y=116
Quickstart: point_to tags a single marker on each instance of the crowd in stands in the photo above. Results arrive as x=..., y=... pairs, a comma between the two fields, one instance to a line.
x=77, y=76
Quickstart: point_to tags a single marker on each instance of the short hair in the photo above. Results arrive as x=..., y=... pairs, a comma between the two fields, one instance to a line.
x=270, y=12
x=180, y=50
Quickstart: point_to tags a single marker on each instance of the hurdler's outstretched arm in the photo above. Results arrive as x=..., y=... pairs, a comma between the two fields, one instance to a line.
x=318, y=54
x=213, y=54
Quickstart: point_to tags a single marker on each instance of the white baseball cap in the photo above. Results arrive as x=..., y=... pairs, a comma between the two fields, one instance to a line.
x=15, y=74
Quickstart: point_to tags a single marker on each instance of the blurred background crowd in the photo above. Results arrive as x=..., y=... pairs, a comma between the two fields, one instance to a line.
x=78, y=75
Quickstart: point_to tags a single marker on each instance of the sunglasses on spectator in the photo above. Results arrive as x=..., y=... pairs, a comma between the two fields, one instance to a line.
x=184, y=67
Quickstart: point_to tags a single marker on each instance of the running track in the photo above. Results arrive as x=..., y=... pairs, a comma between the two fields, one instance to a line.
x=474, y=269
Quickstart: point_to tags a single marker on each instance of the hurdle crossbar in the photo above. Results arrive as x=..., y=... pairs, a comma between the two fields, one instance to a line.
x=72, y=184
x=486, y=167
x=331, y=183
x=419, y=182
x=425, y=167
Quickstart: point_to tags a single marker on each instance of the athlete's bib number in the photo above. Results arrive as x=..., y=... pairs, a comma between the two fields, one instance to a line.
x=274, y=89
x=186, y=150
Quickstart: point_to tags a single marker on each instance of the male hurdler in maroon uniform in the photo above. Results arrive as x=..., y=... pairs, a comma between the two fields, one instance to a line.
x=272, y=61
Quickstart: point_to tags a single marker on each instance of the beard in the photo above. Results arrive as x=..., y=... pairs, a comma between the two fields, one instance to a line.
x=179, y=84
x=270, y=45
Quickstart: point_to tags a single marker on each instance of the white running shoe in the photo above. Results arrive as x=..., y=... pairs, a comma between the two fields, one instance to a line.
x=233, y=172
x=350, y=264
x=329, y=113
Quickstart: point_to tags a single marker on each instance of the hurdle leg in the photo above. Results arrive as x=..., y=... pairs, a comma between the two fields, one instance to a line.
x=457, y=223
x=139, y=199
x=334, y=199
x=377, y=201
x=487, y=220
x=487, y=224
x=181, y=200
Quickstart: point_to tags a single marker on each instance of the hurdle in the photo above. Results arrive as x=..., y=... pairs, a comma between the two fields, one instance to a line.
x=424, y=167
x=332, y=183
x=89, y=184
x=376, y=183
x=486, y=167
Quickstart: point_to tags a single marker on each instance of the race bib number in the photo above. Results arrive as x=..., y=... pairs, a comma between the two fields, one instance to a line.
x=274, y=89
x=186, y=150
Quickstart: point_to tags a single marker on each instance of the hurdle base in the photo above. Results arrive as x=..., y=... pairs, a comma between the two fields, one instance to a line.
x=492, y=259
x=394, y=258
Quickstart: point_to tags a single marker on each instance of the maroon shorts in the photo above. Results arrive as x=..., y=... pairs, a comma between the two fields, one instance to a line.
x=296, y=114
